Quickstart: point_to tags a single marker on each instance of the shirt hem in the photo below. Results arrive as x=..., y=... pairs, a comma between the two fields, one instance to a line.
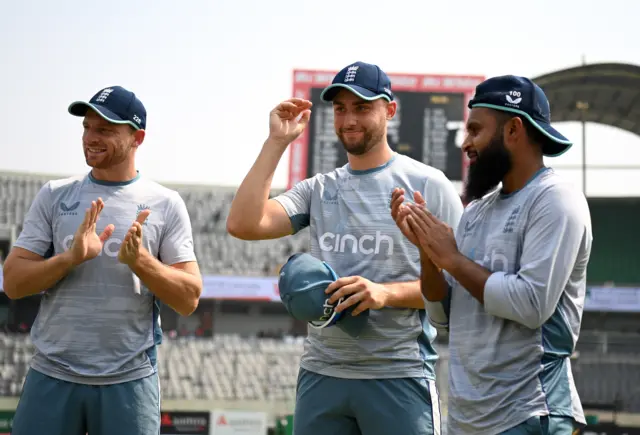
x=359, y=373
x=567, y=413
x=580, y=419
x=500, y=428
x=93, y=380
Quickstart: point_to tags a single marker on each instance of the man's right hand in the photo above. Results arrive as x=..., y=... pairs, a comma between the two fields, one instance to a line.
x=87, y=244
x=288, y=120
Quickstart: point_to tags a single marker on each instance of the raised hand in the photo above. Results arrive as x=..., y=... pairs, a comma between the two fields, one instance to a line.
x=87, y=244
x=435, y=238
x=399, y=213
x=288, y=120
x=132, y=243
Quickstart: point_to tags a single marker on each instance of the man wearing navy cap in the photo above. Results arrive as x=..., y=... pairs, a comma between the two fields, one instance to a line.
x=104, y=249
x=513, y=281
x=380, y=380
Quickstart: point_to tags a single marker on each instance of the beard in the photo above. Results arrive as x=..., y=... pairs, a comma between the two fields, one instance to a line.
x=370, y=139
x=488, y=170
x=110, y=158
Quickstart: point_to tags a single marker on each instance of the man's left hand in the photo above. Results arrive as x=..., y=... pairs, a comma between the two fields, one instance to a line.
x=436, y=238
x=132, y=244
x=357, y=290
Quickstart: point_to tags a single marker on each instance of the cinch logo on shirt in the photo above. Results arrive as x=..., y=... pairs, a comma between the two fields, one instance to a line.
x=111, y=247
x=367, y=244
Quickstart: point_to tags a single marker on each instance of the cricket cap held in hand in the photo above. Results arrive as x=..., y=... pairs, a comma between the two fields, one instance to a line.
x=302, y=284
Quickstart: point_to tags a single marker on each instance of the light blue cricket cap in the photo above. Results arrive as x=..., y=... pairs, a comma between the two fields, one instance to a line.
x=302, y=282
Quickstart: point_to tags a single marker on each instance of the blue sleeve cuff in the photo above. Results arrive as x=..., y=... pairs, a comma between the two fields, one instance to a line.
x=299, y=221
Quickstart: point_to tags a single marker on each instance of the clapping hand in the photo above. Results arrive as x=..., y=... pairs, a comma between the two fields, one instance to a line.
x=399, y=212
x=132, y=243
x=87, y=243
x=435, y=238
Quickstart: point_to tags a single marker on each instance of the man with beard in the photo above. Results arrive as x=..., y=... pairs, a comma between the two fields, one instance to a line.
x=382, y=381
x=95, y=366
x=510, y=286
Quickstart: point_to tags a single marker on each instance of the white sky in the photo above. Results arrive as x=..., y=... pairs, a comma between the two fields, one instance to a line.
x=210, y=71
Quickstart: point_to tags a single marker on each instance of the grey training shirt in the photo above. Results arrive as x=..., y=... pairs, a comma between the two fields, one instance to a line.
x=100, y=324
x=510, y=356
x=351, y=228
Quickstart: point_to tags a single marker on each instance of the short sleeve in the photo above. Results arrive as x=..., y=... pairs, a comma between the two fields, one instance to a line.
x=443, y=201
x=176, y=245
x=297, y=203
x=37, y=229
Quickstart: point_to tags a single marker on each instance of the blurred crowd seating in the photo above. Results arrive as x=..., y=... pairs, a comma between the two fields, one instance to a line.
x=225, y=367
x=230, y=367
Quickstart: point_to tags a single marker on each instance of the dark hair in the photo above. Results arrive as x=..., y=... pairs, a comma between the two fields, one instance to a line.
x=535, y=136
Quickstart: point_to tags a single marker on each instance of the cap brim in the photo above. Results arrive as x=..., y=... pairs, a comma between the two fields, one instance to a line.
x=557, y=144
x=329, y=93
x=80, y=108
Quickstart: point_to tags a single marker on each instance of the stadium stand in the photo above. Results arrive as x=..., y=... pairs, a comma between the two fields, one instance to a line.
x=239, y=360
x=231, y=367
x=222, y=254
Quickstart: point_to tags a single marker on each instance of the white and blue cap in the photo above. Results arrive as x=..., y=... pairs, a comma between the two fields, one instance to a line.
x=521, y=96
x=302, y=284
x=116, y=105
x=365, y=80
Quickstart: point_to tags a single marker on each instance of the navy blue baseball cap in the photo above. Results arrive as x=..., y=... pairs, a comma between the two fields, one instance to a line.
x=365, y=80
x=523, y=97
x=115, y=104
x=302, y=282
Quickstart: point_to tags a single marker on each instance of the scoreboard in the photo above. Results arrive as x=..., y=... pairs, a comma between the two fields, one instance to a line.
x=428, y=126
